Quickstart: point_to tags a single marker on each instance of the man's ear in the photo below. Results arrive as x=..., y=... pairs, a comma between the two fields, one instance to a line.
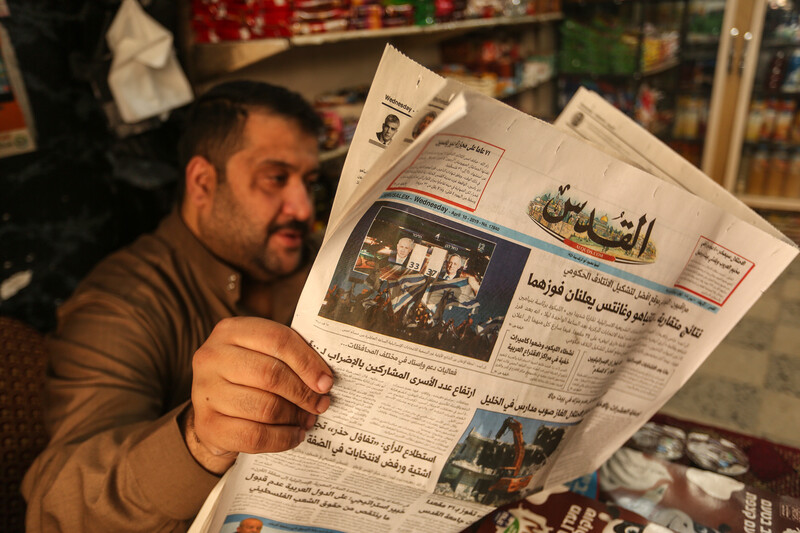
x=201, y=181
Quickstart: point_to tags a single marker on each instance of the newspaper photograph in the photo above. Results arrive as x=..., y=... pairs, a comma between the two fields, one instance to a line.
x=503, y=305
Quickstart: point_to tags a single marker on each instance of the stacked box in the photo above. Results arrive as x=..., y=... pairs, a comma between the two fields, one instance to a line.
x=237, y=20
x=320, y=16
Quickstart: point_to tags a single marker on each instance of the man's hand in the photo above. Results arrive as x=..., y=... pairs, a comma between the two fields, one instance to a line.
x=257, y=387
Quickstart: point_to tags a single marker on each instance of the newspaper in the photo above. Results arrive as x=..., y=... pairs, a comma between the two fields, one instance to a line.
x=585, y=292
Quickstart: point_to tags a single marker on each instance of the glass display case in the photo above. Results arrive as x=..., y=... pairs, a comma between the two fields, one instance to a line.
x=717, y=80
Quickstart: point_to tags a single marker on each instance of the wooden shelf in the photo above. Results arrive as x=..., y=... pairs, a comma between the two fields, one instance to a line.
x=702, y=39
x=661, y=67
x=444, y=27
x=625, y=76
x=215, y=59
x=771, y=202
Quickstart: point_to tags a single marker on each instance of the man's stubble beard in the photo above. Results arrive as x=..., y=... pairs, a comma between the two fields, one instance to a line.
x=246, y=247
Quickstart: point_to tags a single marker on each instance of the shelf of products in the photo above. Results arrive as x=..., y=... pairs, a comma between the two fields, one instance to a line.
x=214, y=57
x=328, y=52
x=629, y=52
x=696, y=70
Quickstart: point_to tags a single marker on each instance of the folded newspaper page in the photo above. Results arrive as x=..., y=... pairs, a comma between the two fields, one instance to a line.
x=503, y=305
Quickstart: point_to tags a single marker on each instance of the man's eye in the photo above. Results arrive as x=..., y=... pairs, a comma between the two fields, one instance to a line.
x=274, y=179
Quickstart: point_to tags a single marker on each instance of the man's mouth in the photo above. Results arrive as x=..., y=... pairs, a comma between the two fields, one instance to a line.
x=290, y=235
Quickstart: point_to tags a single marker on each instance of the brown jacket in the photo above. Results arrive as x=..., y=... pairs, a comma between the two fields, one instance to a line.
x=119, y=375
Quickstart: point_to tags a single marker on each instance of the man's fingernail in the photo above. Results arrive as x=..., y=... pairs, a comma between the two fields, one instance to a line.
x=325, y=383
x=299, y=436
x=323, y=403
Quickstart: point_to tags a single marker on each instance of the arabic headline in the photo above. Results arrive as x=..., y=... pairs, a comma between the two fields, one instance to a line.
x=396, y=371
x=371, y=453
x=477, y=147
x=543, y=412
x=618, y=305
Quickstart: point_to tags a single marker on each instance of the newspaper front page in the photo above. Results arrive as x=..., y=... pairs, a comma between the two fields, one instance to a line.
x=502, y=305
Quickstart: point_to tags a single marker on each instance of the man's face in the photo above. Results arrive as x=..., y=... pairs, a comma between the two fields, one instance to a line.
x=404, y=247
x=249, y=525
x=426, y=121
x=263, y=210
x=453, y=264
x=389, y=129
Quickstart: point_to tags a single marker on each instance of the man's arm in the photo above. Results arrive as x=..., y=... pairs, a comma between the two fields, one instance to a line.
x=257, y=387
x=116, y=460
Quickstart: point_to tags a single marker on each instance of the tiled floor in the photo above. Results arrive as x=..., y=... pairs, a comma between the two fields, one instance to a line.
x=751, y=382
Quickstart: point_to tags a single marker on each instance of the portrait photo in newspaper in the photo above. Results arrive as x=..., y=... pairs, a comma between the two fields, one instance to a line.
x=414, y=276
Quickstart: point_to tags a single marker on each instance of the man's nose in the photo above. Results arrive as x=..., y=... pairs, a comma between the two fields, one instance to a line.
x=297, y=200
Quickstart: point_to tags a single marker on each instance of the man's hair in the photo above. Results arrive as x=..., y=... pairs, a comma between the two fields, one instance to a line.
x=391, y=119
x=214, y=125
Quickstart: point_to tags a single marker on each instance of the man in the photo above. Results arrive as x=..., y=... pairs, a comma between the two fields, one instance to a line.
x=173, y=355
x=451, y=267
x=403, y=249
x=389, y=128
x=452, y=270
x=423, y=123
x=250, y=525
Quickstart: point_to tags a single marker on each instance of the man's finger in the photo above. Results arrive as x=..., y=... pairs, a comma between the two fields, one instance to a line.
x=283, y=343
x=227, y=433
x=266, y=373
x=248, y=403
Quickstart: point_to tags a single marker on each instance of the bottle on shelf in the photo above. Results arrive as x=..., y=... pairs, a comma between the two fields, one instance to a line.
x=794, y=134
x=783, y=121
x=768, y=120
x=758, y=171
x=745, y=167
x=776, y=72
x=754, y=120
x=776, y=173
x=792, y=188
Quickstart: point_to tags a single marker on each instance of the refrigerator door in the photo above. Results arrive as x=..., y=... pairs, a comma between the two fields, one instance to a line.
x=763, y=162
x=731, y=79
x=701, y=40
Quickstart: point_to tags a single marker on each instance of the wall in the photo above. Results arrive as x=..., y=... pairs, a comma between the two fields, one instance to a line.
x=84, y=192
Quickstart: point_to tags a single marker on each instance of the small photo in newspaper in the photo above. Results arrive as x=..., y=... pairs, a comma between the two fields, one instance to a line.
x=500, y=458
x=418, y=277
